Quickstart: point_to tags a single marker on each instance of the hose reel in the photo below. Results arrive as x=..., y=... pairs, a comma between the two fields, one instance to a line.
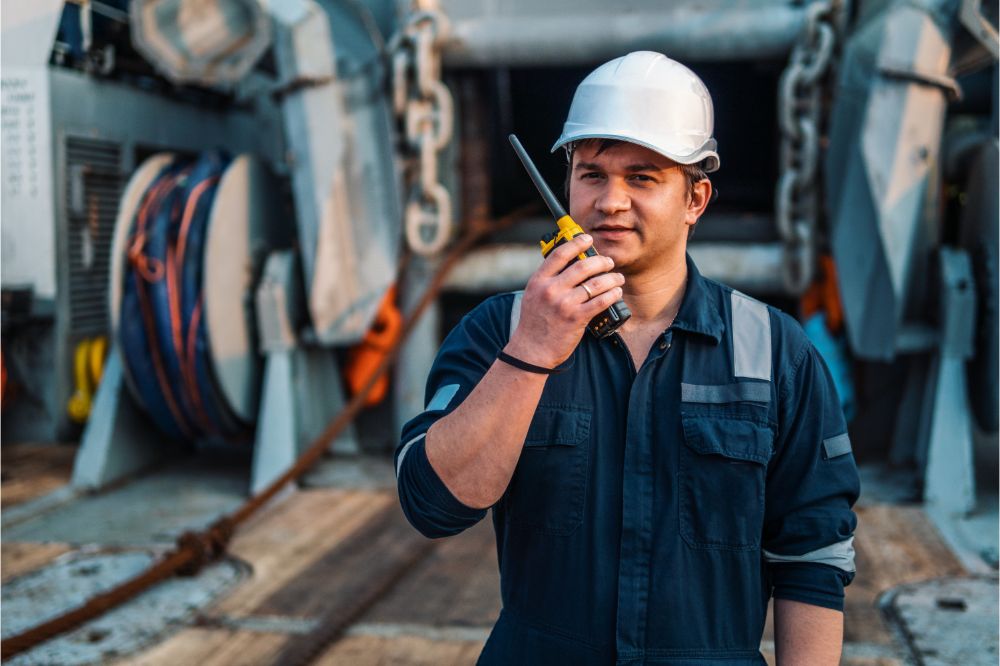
x=189, y=238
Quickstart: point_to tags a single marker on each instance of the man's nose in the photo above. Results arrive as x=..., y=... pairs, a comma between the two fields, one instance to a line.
x=613, y=198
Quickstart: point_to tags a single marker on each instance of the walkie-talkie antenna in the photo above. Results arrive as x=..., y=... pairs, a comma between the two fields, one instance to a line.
x=550, y=199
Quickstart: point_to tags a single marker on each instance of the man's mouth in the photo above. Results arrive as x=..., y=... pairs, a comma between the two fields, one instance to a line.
x=612, y=230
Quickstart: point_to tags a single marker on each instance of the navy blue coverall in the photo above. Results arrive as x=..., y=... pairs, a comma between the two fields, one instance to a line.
x=654, y=512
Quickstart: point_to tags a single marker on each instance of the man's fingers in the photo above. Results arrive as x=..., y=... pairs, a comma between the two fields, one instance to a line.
x=602, y=302
x=583, y=269
x=596, y=286
x=562, y=255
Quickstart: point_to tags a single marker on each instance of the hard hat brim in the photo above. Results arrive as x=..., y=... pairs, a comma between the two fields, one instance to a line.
x=706, y=155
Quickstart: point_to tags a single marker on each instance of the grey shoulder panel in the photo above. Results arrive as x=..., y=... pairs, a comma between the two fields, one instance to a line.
x=751, y=330
x=836, y=446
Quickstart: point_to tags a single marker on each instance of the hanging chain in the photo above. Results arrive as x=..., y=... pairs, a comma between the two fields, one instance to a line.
x=800, y=106
x=424, y=107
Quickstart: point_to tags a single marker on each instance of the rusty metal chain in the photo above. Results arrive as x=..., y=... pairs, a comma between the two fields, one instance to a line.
x=425, y=109
x=800, y=97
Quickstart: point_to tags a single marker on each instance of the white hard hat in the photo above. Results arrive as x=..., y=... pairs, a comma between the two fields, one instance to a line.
x=647, y=99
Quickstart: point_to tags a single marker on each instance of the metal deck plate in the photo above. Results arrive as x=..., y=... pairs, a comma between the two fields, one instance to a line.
x=75, y=577
x=948, y=621
x=150, y=510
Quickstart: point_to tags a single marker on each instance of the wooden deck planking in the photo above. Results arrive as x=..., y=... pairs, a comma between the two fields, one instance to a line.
x=456, y=585
x=400, y=651
x=21, y=557
x=319, y=551
x=355, y=571
x=211, y=647
x=291, y=536
x=894, y=544
x=33, y=470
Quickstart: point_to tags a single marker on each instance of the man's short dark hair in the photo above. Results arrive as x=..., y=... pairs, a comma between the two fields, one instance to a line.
x=693, y=172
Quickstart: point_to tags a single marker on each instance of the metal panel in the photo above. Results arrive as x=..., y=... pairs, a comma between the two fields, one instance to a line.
x=344, y=175
x=28, y=232
x=100, y=108
x=884, y=143
x=93, y=185
x=29, y=28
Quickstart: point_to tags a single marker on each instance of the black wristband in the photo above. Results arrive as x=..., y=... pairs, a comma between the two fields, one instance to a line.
x=523, y=365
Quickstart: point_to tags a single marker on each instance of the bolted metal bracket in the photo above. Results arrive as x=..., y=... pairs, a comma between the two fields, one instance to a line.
x=949, y=479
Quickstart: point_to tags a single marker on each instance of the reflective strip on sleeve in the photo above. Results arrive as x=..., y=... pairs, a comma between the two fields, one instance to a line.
x=515, y=312
x=406, y=447
x=836, y=446
x=442, y=398
x=840, y=555
x=745, y=391
x=751, y=338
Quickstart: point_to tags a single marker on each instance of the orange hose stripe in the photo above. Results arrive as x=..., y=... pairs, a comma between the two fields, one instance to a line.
x=161, y=377
x=189, y=209
x=187, y=360
x=192, y=370
x=174, y=302
x=152, y=270
x=153, y=200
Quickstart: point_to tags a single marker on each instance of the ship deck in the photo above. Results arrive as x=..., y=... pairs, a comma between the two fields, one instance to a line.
x=331, y=573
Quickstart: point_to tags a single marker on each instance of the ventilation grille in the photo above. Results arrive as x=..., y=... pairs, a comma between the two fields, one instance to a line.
x=93, y=189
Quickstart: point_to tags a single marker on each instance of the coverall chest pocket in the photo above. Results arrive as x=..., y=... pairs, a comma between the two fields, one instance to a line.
x=548, y=489
x=723, y=466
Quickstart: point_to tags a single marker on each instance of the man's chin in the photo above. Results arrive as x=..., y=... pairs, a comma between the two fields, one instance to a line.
x=622, y=259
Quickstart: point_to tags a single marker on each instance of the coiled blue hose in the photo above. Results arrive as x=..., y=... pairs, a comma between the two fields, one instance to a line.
x=163, y=333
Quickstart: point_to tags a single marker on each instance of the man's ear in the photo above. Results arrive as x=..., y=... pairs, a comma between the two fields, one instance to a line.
x=701, y=194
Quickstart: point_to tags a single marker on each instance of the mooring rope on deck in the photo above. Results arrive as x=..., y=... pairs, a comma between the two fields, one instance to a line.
x=193, y=550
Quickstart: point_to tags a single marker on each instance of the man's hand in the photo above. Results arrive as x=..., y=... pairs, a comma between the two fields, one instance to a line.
x=475, y=449
x=555, y=309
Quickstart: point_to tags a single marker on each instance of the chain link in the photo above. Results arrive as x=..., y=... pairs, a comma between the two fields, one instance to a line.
x=800, y=115
x=425, y=109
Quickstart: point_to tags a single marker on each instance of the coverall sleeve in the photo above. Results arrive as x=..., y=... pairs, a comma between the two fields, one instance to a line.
x=464, y=357
x=811, y=486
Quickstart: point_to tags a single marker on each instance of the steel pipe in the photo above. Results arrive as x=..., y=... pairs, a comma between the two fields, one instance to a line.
x=686, y=31
x=751, y=267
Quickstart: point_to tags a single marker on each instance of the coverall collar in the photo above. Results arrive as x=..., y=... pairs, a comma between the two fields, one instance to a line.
x=699, y=312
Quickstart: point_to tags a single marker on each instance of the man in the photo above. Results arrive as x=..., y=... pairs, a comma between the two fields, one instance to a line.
x=652, y=490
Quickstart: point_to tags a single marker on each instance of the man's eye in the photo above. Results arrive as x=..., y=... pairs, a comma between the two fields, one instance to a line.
x=591, y=175
x=642, y=178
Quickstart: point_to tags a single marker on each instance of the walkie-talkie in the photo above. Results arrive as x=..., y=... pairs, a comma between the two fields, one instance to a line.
x=608, y=321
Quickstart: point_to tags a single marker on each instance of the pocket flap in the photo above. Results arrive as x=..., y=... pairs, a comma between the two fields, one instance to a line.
x=558, y=425
x=738, y=439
